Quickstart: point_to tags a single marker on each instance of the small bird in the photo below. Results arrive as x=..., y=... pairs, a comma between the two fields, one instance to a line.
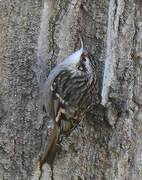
x=66, y=97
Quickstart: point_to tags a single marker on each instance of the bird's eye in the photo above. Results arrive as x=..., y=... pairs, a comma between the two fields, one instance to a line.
x=82, y=64
x=84, y=59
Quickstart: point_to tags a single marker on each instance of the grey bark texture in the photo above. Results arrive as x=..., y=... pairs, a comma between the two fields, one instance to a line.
x=109, y=146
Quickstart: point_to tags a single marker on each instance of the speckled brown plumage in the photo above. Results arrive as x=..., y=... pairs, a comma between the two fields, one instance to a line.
x=66, y=96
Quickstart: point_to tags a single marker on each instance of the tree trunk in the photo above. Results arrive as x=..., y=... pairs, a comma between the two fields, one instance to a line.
x=110, y=143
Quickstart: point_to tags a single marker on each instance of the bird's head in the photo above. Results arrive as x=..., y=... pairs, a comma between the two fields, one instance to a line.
x=78, y=61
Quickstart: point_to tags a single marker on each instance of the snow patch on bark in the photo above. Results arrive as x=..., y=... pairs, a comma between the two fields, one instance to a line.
x=43, y=43
x=114, y=13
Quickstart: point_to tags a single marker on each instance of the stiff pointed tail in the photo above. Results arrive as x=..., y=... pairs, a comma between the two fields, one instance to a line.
x=51, y=150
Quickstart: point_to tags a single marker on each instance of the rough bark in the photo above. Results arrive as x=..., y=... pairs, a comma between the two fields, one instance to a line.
x=112, y=34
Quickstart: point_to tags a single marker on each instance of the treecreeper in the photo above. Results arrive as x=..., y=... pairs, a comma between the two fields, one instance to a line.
x=66, y=96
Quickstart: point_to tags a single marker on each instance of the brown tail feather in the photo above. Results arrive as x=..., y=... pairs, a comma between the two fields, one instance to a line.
x=51, y=149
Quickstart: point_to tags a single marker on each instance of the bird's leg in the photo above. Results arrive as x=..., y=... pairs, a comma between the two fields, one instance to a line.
x=61, y=111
